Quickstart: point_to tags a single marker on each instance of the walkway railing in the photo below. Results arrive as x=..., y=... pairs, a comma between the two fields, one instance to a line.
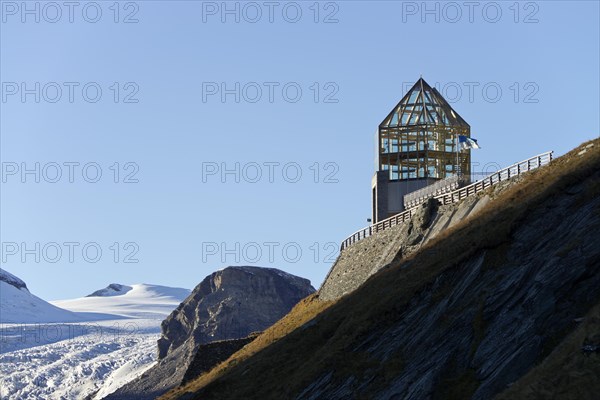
x=442, y=186
x=454, y=196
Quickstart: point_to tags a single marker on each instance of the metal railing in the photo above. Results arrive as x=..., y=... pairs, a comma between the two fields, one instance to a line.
x=446, y=185
x=454, y=196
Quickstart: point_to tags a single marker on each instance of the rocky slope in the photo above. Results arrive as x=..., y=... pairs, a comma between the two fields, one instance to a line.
x=210, y=354
x=506, y=300
x=114, y=289
x=228, y=304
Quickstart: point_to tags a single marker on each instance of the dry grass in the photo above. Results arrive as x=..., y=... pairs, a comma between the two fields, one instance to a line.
x=302, y=313
x=292, y=353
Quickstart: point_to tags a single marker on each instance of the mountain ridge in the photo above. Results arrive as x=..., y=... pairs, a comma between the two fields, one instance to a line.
x=113, y=289
x=18, y=305
x=12, y=280
x=141, y=301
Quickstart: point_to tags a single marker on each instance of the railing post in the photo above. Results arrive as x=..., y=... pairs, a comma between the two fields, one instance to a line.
x=449, y=197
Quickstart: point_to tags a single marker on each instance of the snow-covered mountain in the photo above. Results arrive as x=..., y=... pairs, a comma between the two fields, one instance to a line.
x=114, y=289
x=18, y=305
x=12, y=280
x=79, y=348
x=135, y=301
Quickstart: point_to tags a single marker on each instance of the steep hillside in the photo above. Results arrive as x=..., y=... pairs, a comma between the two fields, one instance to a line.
x=363, y=259
x=570, y=372
x=495, y=301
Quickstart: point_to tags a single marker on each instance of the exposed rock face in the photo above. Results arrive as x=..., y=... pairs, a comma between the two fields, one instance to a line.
x=363, y=259
x=231, y=304
x=114, y=289
x=228, y=304
x=12, y=280
x=211, y=354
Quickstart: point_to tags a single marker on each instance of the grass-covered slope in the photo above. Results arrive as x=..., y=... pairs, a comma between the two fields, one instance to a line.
x=474, y=311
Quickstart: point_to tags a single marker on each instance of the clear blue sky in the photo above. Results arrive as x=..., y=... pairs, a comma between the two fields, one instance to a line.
x=543, y=56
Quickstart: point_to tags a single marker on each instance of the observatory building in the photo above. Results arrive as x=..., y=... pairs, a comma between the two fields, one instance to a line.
x=418, y=151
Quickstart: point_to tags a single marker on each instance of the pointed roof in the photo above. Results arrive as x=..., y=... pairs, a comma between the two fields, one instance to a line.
x=423, y=105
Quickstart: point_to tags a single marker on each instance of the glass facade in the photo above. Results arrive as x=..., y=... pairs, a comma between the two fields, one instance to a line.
x=418, y=139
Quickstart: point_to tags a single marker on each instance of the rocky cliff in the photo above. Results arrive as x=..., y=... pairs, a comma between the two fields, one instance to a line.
x=12, y=280
x=210, y=354
x=506, y=303
x=228, y=304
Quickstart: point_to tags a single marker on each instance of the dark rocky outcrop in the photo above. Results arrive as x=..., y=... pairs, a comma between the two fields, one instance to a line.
x=12, y=280
x=228, y=304
x=210, y=354
x=494, y=305
x=114, y=289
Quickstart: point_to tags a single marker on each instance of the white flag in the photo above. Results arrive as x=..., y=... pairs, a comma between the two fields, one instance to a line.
x=467, y=143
